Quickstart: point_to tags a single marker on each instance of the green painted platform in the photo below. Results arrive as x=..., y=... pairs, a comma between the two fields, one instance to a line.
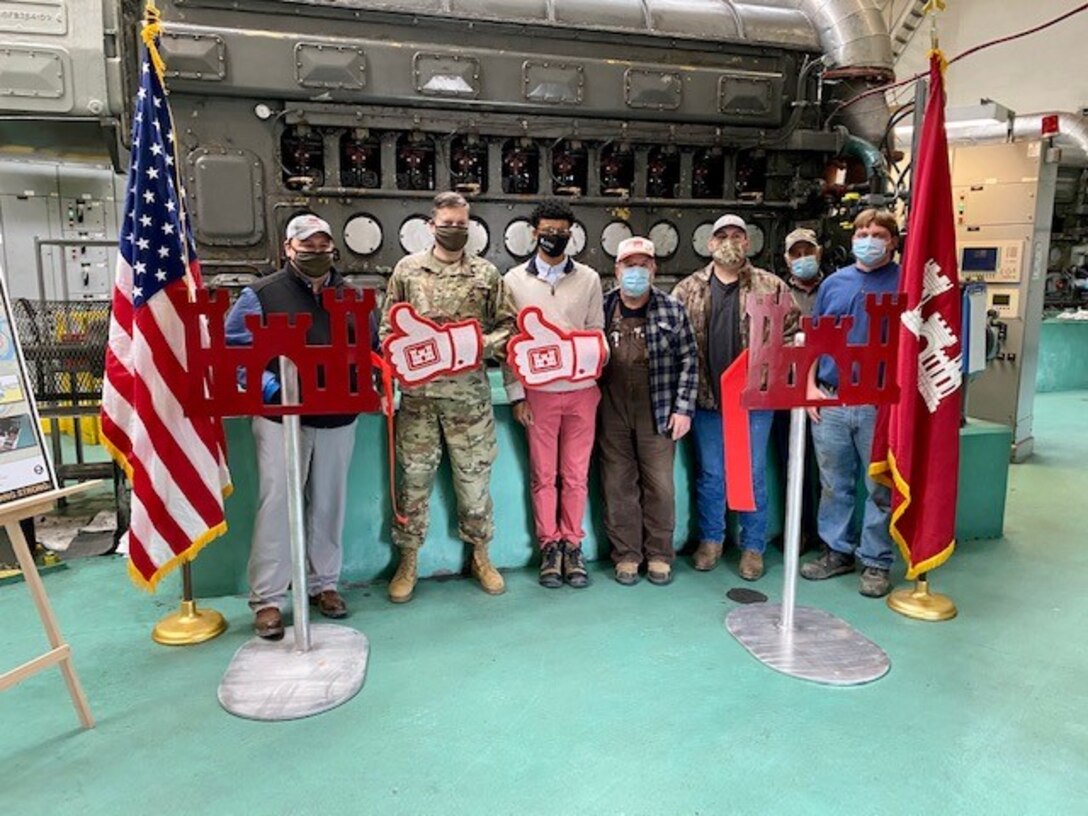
x=603, y=702
x=368, y=549
x=1063, y=356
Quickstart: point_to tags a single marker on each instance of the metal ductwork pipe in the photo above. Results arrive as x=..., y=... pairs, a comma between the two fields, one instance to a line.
x=858, y=49
x=1072, y=136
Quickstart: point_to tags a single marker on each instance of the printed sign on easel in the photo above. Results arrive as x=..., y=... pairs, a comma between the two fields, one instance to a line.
x=25, y=467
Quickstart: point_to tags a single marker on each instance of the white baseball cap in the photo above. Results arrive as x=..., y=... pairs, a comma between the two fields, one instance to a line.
x=635, y=246
x=729, y=221
x=303, y=226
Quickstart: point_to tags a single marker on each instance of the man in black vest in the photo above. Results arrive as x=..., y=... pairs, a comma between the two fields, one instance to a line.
x=327, y=440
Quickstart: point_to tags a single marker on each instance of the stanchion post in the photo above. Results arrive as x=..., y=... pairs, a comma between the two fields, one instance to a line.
x=296, y=520
x=795, y=476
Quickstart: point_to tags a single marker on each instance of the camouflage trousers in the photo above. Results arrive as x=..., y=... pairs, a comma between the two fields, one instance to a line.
x=468, y=428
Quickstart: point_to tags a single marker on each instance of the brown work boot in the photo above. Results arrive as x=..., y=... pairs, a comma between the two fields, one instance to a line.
x=751, y=565
x=330, y=604
x=487, y=575
x=659, y=572
x=627, y=573
x=268, y=623
x=404, y=580
x=707, y=555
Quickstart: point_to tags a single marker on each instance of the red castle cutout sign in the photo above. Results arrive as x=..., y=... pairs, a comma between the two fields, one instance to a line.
x=333, y=379
x=771, y=375
x=778, y=373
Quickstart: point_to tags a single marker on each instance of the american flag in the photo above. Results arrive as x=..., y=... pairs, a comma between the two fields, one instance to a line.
x=175, y=463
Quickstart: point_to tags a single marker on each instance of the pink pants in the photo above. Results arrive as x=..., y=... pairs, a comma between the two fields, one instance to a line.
x=560, y=444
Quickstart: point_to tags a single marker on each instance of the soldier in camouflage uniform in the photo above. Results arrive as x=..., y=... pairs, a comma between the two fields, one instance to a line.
x=444, y=284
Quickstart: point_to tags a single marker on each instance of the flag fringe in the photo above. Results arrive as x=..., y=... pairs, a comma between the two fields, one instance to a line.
x=118, y=457
x=189, y=554
x=122, y=461
x=879, y=472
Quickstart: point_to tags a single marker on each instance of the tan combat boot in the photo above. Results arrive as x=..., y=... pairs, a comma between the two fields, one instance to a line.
x=487, y=575
x=404, y=581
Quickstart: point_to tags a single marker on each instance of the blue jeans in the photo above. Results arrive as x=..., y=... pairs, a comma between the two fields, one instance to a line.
x=710, y=479
x=843, y=439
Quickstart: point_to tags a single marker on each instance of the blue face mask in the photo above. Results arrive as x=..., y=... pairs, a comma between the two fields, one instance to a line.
x=805, y=268
x=635, y=281
x=869, y=250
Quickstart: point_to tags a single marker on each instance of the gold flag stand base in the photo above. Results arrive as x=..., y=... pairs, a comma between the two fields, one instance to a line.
x=919, y=603
x=188, y=626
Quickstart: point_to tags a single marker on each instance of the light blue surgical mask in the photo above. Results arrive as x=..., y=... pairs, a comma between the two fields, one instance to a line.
x=635, y=281
x=805, y=268
x=870, y=250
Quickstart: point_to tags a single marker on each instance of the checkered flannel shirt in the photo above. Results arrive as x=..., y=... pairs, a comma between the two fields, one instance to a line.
x=674, y=361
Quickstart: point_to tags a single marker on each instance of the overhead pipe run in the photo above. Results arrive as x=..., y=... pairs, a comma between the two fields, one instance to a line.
x=1072, y=135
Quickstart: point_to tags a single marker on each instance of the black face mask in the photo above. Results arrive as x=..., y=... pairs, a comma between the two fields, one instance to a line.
x=452, y=239
x=553, y=245
x=314, y=265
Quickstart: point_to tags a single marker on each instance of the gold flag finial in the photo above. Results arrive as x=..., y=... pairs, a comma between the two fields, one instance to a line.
x=150, y=33
x=932, y=8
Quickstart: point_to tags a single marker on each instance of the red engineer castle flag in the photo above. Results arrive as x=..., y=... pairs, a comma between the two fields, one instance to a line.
x=916, y=448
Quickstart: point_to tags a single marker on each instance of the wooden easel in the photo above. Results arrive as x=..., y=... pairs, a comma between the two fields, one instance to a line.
x=60, y=653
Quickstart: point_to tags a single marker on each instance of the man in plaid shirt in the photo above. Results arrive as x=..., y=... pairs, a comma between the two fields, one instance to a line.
x=648, y=395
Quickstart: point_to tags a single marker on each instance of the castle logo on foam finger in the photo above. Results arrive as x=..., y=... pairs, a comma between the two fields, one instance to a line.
x=542, y=353
x=418, y=349
x=545, y=360
x=422, y=355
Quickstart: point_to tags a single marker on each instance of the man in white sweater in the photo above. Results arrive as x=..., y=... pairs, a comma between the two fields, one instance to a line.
x=560, y=417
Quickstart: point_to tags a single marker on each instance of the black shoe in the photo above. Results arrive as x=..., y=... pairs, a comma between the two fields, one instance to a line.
x=874, y=582
x=551, y=566
x=828, y=565
x=574, y=566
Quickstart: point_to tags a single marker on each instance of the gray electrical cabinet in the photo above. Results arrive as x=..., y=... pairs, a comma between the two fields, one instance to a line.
x=1004, y=201
x=47, y=201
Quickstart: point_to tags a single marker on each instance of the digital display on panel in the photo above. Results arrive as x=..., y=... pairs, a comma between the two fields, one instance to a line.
x=1001, y=300
x=979, y=259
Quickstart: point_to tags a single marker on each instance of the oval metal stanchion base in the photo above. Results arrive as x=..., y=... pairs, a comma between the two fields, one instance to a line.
x=821, y=648
x=269, y=680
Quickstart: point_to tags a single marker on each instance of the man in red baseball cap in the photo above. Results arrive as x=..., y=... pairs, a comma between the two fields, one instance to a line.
x=647, y=401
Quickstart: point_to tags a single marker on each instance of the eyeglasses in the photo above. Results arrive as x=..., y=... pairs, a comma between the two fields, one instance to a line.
x=553, y=233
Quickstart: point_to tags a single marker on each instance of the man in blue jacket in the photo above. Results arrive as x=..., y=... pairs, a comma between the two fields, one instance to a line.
x=843, y=437
x=326, y=446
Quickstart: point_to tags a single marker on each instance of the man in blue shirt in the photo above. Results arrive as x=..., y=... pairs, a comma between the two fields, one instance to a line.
x=843, y=437
x=326, y=445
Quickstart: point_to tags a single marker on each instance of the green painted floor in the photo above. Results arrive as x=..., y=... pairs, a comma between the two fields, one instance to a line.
x=605, y=701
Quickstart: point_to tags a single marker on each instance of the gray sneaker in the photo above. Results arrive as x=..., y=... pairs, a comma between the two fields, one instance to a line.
x=874, y=582
x=828, y=565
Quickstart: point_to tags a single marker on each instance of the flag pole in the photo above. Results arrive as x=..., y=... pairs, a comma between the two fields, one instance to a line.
x=918, y=602
x=189, y=625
